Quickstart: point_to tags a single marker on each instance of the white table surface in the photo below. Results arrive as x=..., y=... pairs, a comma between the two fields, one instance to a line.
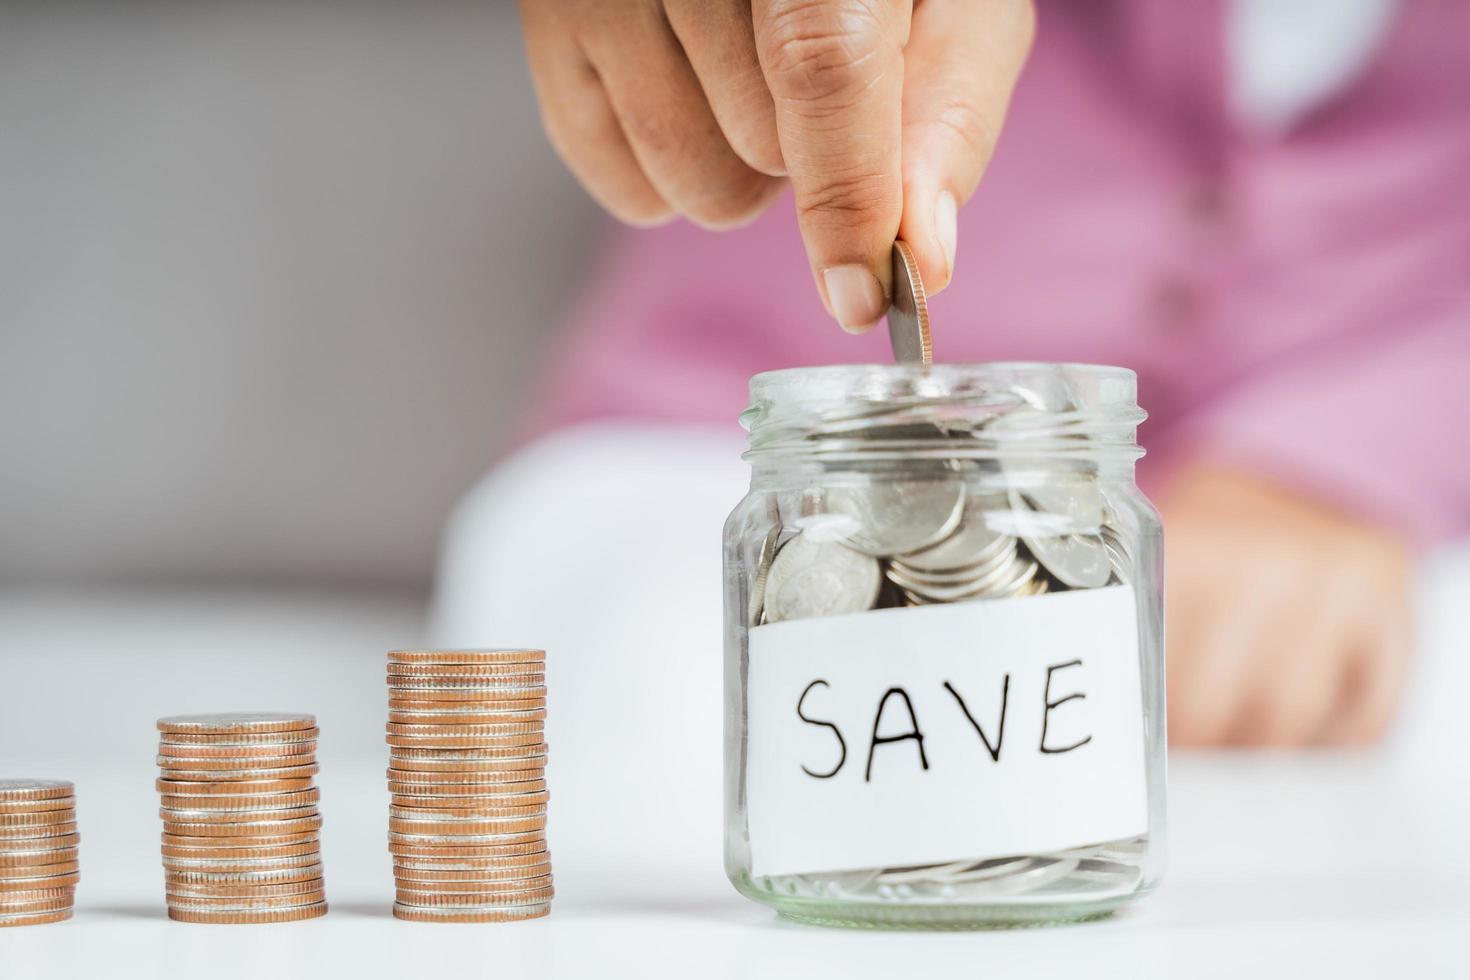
x=1282, y=865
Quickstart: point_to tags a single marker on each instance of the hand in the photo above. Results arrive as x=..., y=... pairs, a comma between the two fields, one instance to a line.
x=1288, y=624
x=882, y=113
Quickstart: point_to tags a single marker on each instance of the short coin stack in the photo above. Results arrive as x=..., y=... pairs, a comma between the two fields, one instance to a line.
x=467, y=773
x=241, y=828
x=38, y=851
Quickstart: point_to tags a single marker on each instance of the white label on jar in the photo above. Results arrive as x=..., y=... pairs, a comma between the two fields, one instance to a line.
x=970, y=730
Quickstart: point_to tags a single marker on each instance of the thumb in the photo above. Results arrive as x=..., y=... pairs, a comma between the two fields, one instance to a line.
x=835, y=71
x=962, y=62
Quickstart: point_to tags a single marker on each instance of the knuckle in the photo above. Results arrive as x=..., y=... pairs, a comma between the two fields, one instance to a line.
x=820, y=51
x=959, y=120
x=846, y=200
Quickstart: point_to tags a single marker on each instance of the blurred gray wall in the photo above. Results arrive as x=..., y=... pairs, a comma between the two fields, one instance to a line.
x=274, y=279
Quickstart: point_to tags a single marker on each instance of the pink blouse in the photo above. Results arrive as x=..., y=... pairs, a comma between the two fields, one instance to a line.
x=1298, y=304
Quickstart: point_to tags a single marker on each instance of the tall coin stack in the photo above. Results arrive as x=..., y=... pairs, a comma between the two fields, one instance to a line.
x=241, y=828
x=467, y=774
x=38, y=851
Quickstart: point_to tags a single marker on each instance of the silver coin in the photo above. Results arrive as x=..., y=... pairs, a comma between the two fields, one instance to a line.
x=236, y=719
x=1006, y=580
x=810, y=577
x=898, y=517
x=189, y=877
x=10, y=788
x=971, y=542
x=757, y=606
x=1079, y=560
x=1002, y=552
x=1118, y=554
x=908, y=316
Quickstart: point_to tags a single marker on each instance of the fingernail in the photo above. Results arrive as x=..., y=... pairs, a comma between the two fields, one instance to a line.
x=947, y=231
x=856, y=297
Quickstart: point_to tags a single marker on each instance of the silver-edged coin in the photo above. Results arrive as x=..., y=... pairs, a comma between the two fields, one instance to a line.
x=809, y=578
x=908, y=315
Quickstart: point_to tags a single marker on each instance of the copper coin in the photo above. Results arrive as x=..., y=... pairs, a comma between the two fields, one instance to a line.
x=245, y=753
x=247, y=775
x=40, y=819
x=413, y=742
x=226, y=864
x=35, y=918
x=492, y=890
x=402, y=787
x=12, y=836
x=46, y=900
x=463, y=671
x=501, y=655
x=249, y=787
x=487, y=688
x=457, y=777
x=232, y=763
x=194, y=892
x=235, y=853
x=480, y=803
x=35, y=789
x=20, y=847
x=433, y=829
x=466, y=915
x=255, y=917
x=24, y=862
x=9, y=886
x=275, y=801
x=276, y=876
x=263, y=828
x=431, y=899
x=522, y=768
x=253, y=841
x=495, y=729
x=497, y=863
x=465, y=717
x=515, y=695
x=517, y=845
x=523, y=873
x=38, y=806
x=467, y=813
x=245, y=903
x=237, y=722
x=466, y=707
x=237, y=816
x=224, y=869
x=239, y=738
x=40, y=869
x=461, y=839
x=472, y=753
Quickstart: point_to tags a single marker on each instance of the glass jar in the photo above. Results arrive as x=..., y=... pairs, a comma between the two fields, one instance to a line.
x=944, y=655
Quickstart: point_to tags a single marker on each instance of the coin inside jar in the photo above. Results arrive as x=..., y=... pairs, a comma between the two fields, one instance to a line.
x=809, y=577
x=895, y=517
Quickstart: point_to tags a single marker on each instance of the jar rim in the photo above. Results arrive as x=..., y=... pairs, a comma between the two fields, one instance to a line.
x=861, y=408
x=1104, y=386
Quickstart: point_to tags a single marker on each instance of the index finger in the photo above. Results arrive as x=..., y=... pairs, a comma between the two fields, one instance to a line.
x=835, y=70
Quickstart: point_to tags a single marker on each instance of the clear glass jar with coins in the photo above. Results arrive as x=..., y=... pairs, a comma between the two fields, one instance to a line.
x=944, y=658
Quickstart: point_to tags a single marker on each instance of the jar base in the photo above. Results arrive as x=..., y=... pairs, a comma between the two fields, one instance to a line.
x=945, y=918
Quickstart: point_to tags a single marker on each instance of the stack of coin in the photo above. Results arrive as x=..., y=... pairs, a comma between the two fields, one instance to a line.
x=38, y=851
x=467, y=774
x=241, y=828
